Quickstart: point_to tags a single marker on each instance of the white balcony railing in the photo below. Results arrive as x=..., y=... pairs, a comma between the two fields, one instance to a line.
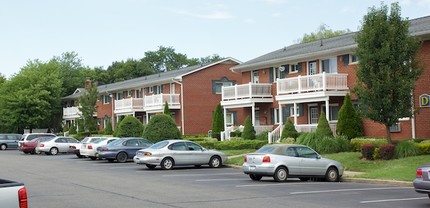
x=159, y=100
x=129, y=104
x=71, y=112
x=312, y=83
x=275, y=135
x=247, y=91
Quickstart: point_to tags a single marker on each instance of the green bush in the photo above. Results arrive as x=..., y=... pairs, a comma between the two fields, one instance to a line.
x=248, y=131
x=323, y=128
x=81, y=126
x=108, y=128
x=328, y=145
x=406, y=148
x=367, y=151
x=217, y=122
x=386, y=151
x=72, y=129
x=288, y=141
x=233, y=144
x=161, y=127
x=262, y=136
x=309, y=139
x=349, y=123
x=129, y=127
x=65, y=128
x=358, y=142
x=289, y=131
x=424, y=147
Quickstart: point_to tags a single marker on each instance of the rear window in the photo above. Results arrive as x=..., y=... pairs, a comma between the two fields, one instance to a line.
x=116, y=142
x=45, y=139
x=266, y=149
x=99, y=140
x=159, y=145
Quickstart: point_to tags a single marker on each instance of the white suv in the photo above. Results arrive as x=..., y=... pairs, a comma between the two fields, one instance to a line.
x=30, y=136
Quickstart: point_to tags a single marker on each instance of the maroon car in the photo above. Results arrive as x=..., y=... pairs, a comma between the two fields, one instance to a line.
x=30, y=146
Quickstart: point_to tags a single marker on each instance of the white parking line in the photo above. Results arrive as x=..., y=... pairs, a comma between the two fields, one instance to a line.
x=201, y=174
x=343, y=190
x=393, y=200
x=229, y=179
x=276, y=184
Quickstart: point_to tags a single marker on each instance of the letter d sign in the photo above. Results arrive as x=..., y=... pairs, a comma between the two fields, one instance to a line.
x=424, y=100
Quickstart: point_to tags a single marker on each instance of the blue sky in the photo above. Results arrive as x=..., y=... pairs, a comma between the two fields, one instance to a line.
x=103, y=31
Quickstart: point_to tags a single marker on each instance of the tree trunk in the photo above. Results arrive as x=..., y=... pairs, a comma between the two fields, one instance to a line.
x=387, y=128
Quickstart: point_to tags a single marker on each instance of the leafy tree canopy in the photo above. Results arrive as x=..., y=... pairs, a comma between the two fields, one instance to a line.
x=322, y=32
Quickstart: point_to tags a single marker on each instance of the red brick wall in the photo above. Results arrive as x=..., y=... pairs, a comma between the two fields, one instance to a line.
x=199, y=102
x=422, y=86
x=102, y=110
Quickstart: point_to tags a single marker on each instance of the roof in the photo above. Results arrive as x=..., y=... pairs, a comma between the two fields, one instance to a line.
x=328, y=46
x=159, y=78
x=77, y=94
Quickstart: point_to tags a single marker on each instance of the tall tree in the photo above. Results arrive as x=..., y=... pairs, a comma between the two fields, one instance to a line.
x=88, y=106
x=217, y=122
x=323, y=31
x=248, y=130
x=388, y=67
x=349, y=122
x=165, y=59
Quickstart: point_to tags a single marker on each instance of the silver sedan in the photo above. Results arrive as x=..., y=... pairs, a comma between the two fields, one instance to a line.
x=169, y=153
x=282, y=161
x=422, y=180
x=55, y=145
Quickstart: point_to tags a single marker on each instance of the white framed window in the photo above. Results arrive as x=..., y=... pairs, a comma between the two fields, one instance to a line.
x=137, y=93
x=129, y=93
x=329, y=65
x=276, y=115
x=353, y=59
x=292, y=110
x=395, y=128
x=119, y=96
x=106, y=99
x=218, y=86
x=312, y=68
x=333, y=111
x=255, y=77
x=294, y=68
x=229, y=119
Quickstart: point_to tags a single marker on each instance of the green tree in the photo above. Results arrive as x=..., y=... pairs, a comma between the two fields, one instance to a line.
x=161, y=127
x=388, y=67
x=323, y=128
x=165, y=59
x=349, y=122
x=166, y=109
x=72, y=129
x=217, y=122
x=322, y=32
x=108, y=128
x=130, y=127
x=289, y=131
x=248, y=130
x=88, y=106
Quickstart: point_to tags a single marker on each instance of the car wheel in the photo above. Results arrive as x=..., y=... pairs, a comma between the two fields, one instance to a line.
x=428, y=195
x=255, y=177
x=3, y=147
x=167, y=163
x=53, y=151
x=304, y=178
x=332, y=175
x=93, y=158
x=122, y=157
x=281, y=174
x=215, y=162
x=150, y=166
x=33, y=152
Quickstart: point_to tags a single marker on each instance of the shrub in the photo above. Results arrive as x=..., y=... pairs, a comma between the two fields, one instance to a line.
x=217, y=122
x=348, y=123
x=248, y=130
x=358, y=142
x=65, y=128
x=288, y=140
x=129, y=127
x=386, y=151
x=81, y=126
x=424, y=147
x=166, y=109
x=289, y=131
x=367, y=151
x=72, y=129
x=161, y=127
x=323, y=128
x=406, y=149
x=108, y=128
x=233, y=144
x=337, y=144
x=309, y=139
x=262, y=136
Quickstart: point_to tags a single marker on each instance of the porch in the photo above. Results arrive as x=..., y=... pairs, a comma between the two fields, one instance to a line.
x=246, y=93
x=312, y=83
x=155, y=103
x=71, y=112
x=128, y=105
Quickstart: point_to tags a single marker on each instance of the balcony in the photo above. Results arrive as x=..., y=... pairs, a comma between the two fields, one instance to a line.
x=155, y=103
x=71, y=112
x=129, y=105
x=312, y=86
x=245, y=94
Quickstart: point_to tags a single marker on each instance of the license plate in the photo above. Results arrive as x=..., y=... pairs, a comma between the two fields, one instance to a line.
x=251, y=167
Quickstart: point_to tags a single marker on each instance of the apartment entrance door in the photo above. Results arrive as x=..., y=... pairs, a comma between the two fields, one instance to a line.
x=313, y=114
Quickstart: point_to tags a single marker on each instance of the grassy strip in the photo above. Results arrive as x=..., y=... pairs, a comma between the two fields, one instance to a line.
x=237, y=152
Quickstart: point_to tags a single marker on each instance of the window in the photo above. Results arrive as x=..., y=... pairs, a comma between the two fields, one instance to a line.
x=106, y=99
x=132, y=143
x=329, y=65
x=218, y=86
x=353, y=59
x=294, y=68
x=276, y=115
x=292, y=110
x=306, y=152
x=138, y=94
x=312, y=67
x=119, y=96
x=129, y=93
x=291, y=152
x=193, y=147
x=155, y=89
x=334, y=110
x=229, y=119
x=395, y=128
x=179, y=146
x=255, y=77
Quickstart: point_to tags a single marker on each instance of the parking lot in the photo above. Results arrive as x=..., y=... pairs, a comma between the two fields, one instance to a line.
x=66, y=181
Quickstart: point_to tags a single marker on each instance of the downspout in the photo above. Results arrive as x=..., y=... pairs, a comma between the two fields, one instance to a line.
x=182, y=105
x=413, y=116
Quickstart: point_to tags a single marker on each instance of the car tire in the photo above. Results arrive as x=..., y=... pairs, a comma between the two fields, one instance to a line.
x=255, y=177
x=428, y=195
x=281, y=174
x=150, y=166
x=93, y=158
x=33, y=152
x=304, y=178
x=3, y=147
x=332, y=175
x=53, y=151
x=215, y=162
x=122, y=157
x=167, y=163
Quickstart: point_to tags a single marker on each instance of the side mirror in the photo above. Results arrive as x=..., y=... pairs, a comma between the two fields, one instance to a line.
x=318, y=156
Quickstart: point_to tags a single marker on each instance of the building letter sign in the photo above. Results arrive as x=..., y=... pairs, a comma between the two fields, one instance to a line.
x=424, y=100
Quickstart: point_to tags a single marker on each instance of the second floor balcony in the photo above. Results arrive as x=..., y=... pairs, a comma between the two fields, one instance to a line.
x=247, y=93
x=71, y=112
x=154, y=103
x=129, y=105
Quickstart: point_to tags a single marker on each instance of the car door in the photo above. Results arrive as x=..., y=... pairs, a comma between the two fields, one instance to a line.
x=131, y=146
x=310, y=163
x=292, y=161
x=71, y=142
x=61, y=144
x=12, y=141
x=196, y=154
x=179, y=153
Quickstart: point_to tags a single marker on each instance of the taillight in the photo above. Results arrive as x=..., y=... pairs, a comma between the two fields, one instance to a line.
x=72, y=147
x=90, y=147
x=104, y=149
x=245, y=159
x=266, y=159
x=419, y=173
x=41, y=145
x=22, y=196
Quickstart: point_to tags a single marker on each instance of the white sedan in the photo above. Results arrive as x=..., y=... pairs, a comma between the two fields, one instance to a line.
x=89, y=149
x=56, y=145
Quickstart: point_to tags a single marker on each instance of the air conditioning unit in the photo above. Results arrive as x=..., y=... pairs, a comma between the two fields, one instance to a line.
x=281, y=68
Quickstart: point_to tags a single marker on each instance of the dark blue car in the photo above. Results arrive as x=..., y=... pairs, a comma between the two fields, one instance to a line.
x=122, y=149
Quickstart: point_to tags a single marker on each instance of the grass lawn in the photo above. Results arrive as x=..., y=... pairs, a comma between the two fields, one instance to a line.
x=237, y=152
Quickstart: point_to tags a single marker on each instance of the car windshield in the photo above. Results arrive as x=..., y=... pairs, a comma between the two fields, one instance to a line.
x=116, y=142
x=45, y=139
x=159, y=145
x=266, y=149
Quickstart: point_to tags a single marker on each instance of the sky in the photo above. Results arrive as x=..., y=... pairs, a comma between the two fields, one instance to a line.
x=104, y=31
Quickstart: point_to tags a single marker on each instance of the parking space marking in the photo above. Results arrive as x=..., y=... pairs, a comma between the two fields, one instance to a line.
x=275, y=184
x=200, y=174
x=393, y=200
x=227, y=179
x=343, y=190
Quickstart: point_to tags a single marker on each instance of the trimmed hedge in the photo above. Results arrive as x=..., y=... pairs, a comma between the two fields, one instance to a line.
x=233, y=145
x=424, y=148
x=386, y=151
x=367, y=151
x=357, y=143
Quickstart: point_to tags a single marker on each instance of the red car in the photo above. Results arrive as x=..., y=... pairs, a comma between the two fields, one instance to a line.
x=30, y=146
